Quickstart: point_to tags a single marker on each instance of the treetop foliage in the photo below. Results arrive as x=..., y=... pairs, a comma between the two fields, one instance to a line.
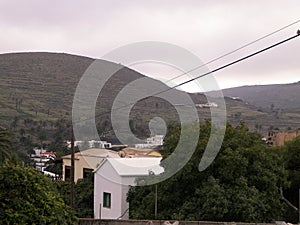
x=242, y=183
x=29, y=197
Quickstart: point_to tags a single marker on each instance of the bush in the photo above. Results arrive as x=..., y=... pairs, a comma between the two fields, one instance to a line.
x=28, y=197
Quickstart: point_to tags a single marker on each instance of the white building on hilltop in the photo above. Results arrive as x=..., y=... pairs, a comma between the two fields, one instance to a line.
x=207, y=105
x=91, y=144
x=112, y=179
x=152, y=142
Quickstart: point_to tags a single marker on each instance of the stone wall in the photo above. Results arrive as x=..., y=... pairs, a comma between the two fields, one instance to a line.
x=155, y=222
x=278, y=138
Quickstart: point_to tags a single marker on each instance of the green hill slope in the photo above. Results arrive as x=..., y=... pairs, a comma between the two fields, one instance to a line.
x=282, y=96
x=37, y=89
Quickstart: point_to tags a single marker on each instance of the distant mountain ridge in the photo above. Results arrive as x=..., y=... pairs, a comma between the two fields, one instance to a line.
x=280, y=96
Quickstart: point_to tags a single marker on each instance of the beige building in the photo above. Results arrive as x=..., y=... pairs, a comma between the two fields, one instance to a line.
x=139, y=153
x=85, y=162
x=278, y=138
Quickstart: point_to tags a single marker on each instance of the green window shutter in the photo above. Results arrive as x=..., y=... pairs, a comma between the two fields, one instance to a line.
x=106, y=199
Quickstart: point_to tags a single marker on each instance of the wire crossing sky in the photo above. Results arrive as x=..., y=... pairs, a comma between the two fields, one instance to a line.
x=235, y=50
x=210, y=72
x=206, y=28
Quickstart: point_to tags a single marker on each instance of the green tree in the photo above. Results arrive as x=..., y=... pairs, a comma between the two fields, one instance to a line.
x=242, y=184
x=59, y=145
x=42, y=136
x=6, y=145
x=28, y=197
x=84, y=197
x=291, y=153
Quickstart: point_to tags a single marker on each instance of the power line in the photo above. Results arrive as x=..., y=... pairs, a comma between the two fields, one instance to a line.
x=233, y=51
x=236, y=61
x=210, y=72
x=215, y=70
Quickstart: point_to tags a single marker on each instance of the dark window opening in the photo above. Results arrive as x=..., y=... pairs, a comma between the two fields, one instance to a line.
x=67, y=173
x=87, y=172
x=106, y=200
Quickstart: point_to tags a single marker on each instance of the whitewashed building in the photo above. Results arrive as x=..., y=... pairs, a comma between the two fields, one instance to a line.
x=112, y=180
x=207, y=105
x=151, y=142
x=41, y=157
x=91, y=144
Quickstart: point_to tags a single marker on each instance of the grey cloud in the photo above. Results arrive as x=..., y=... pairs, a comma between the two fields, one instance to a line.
x=207, y=28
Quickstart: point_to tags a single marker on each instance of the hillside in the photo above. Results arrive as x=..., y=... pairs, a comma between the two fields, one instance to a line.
x=37, y=89
x=283, y=96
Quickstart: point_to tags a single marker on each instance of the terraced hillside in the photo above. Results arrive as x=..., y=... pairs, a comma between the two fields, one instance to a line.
x=284, y=96
x=37, y=89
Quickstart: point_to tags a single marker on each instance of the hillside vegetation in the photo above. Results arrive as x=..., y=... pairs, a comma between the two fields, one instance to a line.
x=37, y=89
x=283, y=96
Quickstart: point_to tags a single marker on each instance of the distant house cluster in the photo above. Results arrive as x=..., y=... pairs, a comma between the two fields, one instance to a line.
x=207, y=105
x=235, y=98
x=41, y=157
x=151, y=142
x=90, y=144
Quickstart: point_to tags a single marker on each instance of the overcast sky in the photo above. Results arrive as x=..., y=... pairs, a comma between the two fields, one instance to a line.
x=208, y=29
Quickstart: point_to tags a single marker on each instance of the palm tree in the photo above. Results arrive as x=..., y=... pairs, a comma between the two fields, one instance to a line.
x=5, y=145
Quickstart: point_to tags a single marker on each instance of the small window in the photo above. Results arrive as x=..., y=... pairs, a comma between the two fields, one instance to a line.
x=87, y=172
x=106, y=199
x=67, y=173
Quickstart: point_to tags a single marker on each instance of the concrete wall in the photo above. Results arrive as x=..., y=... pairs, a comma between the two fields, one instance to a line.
x=156, y=222
x=285, y=136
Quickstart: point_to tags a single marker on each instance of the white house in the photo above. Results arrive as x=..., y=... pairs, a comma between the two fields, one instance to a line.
x=91, y=144
x=207, y=105
x=112, y=180
x=151, y=142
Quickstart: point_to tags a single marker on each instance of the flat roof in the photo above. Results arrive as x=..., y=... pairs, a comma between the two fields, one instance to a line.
x=94, y=152
x=134, y=166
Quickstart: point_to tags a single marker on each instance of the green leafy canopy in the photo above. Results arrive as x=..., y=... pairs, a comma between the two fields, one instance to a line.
x=28, y=197
x=240, y=185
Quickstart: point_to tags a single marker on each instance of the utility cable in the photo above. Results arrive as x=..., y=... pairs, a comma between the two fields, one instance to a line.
x=210, y=72
x=219, y=68
x=234, y=62
x=233, y=51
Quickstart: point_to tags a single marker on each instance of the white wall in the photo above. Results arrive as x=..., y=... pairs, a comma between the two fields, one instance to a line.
x=111, y=182
x=124, y=203
x=103, y=184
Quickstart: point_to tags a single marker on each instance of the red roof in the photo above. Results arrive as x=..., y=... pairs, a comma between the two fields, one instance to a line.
x=48, y=153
